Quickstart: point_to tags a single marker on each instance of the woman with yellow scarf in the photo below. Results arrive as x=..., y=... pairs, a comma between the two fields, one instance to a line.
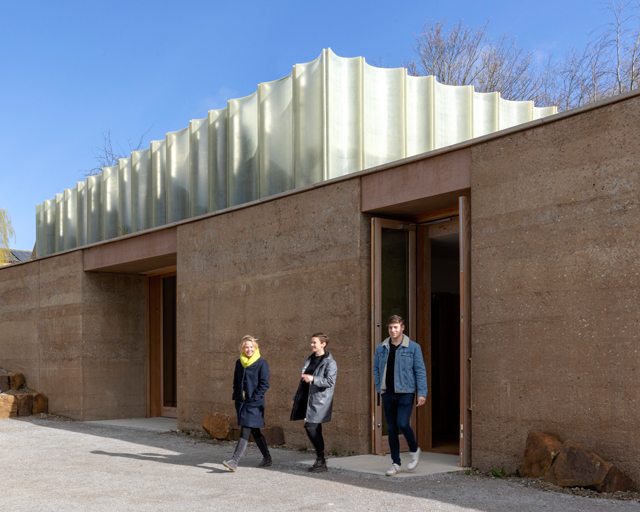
x=250, y=383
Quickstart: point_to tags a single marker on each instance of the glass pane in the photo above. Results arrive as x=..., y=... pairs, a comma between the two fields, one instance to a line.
x=169, y=377
x=394, y=284
x=395, y=277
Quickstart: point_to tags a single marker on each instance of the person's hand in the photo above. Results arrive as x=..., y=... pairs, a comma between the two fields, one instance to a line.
x=292, y=402
x=421, y=401
x=307, y=378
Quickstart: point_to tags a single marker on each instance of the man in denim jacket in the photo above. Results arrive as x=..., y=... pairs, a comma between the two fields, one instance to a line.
x=399, y=382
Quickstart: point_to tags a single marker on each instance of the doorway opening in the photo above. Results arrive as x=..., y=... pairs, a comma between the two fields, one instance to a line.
x=423, y=268
x=162, y=384
x=445, y=344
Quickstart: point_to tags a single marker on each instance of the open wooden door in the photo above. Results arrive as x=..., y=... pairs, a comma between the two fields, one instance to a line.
x=465, y=331
x=393, y=283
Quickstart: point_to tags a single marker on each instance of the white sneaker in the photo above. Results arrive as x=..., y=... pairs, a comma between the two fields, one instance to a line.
x=393, y=470
x=415, y=459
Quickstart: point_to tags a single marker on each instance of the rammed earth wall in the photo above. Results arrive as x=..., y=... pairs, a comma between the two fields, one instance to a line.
x=78, y=337
x=556, y=287
x=279, y=271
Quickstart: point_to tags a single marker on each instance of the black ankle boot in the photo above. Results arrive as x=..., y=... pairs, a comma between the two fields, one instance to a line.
x=319, y=465
x=264, y=450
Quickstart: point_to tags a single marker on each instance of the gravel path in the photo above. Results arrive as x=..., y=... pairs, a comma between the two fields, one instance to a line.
x=74, y=466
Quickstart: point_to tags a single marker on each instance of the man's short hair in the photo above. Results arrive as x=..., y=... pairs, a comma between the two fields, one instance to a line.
x=322, y=337
x=395, y=319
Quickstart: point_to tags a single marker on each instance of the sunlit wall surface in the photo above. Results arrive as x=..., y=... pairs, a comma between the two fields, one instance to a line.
x=328, y=118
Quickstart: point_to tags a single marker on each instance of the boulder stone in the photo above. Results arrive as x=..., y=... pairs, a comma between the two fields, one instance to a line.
x=8, y=406
x=539, y=453
x=234, y=433
x=4, y=383
x=615, y=481
x=40, y=404
x=273, y=435
x=25, y=404
x=16, y=381
x=218, y=425
x=575, y=467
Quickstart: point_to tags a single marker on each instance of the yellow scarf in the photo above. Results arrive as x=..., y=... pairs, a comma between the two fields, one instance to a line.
x=246, y=361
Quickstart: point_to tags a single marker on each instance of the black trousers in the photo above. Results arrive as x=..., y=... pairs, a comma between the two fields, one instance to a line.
x=314, y=432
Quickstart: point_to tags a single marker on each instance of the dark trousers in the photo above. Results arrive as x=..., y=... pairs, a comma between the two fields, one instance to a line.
x=314, y=432
x=397, y=411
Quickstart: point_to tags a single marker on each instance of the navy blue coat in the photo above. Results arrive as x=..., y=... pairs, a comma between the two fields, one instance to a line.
x=254, y=381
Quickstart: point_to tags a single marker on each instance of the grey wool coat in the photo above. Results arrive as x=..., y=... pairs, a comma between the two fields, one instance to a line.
x=320, y=403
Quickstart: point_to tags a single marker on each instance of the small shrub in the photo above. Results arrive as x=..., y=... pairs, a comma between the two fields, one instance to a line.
x=498, y=473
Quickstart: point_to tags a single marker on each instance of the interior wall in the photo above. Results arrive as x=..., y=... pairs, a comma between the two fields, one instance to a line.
x=280, y=271
x=555, y=283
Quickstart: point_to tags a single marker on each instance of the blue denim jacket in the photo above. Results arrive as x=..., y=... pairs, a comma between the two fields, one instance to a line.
x=410, y=374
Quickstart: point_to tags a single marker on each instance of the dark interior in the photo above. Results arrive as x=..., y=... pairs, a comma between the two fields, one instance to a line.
x=169, y=374
x=445, y=343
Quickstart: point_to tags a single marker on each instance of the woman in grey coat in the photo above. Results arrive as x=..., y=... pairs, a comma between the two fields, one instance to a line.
x=314, y=398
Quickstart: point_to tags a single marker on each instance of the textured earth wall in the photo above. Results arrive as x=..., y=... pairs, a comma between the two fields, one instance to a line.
x=556, y=287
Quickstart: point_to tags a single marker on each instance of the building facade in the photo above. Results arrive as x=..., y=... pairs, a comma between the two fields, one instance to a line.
x=513, y=257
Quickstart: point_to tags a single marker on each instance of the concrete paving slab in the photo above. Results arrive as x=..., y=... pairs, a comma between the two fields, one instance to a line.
x=430, y=464
x=153, y=424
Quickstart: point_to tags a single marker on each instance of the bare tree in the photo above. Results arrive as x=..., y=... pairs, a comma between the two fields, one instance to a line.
x=464, y=55
x=608, y=64
x=106, y=155
x=6, y=234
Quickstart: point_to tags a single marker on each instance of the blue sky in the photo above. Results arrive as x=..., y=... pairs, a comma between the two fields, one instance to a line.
x=70, y=70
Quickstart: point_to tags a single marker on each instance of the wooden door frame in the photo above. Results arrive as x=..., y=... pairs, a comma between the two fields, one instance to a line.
x=378, y=444
x=465, y=331
x=422, y=280
x=155, y=353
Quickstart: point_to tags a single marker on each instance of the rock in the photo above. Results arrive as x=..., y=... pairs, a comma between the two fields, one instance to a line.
x=575, y=467
x=4, y=383
x=273, y=435
x=539, y=453
x=16, y=381
x=218, y=425
x=40, y=404
x=234, y=433
x=8, y=406
x=25, y=404
x=615, y=481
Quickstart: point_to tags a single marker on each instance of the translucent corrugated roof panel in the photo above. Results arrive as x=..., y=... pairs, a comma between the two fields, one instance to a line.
x=328, y=118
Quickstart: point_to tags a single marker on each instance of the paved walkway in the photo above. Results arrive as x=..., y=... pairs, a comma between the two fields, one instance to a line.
x=74, y=466
x=153, y=424
x=430, y=464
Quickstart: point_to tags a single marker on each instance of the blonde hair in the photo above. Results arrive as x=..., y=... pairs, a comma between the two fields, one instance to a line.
x=252, y=339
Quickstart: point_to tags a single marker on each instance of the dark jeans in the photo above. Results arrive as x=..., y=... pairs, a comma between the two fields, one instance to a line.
x=314, y=432
x=397, y=410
